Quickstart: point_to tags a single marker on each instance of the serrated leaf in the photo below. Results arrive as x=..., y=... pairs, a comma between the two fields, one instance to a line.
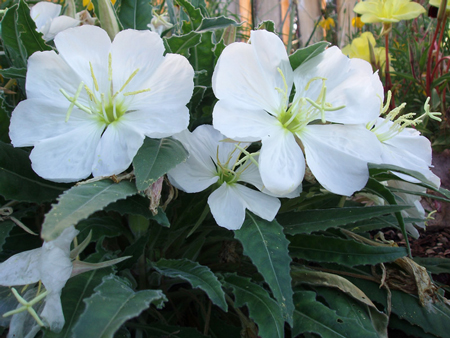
x=112, y=304
x=377, y=169
x=220, y=22
x=12, y=44
x=76, y=289
x=409, y=329
x=135, y=14
x=379, y=319
x=5, y=227
x=304, y=54
x=19, y=182
x=307, y=221
x=264, y=242
x=135, y=250
x=100, y=226
x=14, y=73
x=155, y=158
x=268, y=25
x=202, y=60
x=138, y=205
x=80, y=202
x=349, y=308
x=318, y=248
x=197, y=275
x=181, y=44
x=195, y=15
x=312, y=316
x=31, y=39
x=262, y=309
x=434, y=320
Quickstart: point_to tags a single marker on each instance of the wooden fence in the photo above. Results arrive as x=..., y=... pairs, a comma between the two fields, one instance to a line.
x=305, y=14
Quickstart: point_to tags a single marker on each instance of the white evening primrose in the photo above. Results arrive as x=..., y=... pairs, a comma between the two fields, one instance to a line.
x=48, y=20
x=50, y=264
x=403, y=146
x=89, y=108
x=214, y=162
x=334, y=97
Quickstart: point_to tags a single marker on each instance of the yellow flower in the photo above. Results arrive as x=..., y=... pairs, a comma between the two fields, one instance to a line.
x=364, y=48
x=437, y=3
x=388, y=11
x=327, y=23
x=357, y=22
x=90, y=6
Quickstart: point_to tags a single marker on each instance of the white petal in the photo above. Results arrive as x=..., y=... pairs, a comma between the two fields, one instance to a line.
x=157, y=122
x=338, y=154
x=350, y=83
x=47, y=73
x=242, y=124
x=226, y=207
x=52, y=313
x=171, y=85
x=131, y=50
x=82, y=45
x=67, y=157
x=43, y=12
x=35, y=119
x=281, y=163
x=21, y=269
x=59, y=24
x=247, y=74
x=259, y=203
x=116, y=149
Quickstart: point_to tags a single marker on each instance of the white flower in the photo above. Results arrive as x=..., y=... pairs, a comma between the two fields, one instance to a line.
x=403, y=146
x=159, y=23
x=214, y=162
x=253, y=83
x=50, y=264
x=89, y=108
x=48, y=21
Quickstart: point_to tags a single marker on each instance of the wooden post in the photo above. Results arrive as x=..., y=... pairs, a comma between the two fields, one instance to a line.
x=308, y=15
x=344, y=27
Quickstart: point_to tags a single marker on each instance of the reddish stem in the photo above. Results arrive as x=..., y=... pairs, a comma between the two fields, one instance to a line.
x=430, y=72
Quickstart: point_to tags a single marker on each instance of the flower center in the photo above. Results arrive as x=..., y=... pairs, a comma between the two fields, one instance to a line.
x=303, y=110
x=231, y=176
x=398, y=123
x=109, y=107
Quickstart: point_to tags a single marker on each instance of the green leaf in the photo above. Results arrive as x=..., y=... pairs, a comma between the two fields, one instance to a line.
x=138, y=205
x=372, y=224
x=267, y=247
x=312, y=316
x=202, y=60
x=31, y=39
x=100, y=226
x=304, y=54
x=135, y=14
x=379, y=319
x=262, y=309
x=351, y=309
x=5, y=227
x=307, y=221
x=112, y=304
x=80, y=202
x=197, y=275
x=319, y=248
x=268, y=25
x=169, y=331
x=434, y=319
x=220, y=22
x=155, y=158
x=73, y=293
x=14, y=73
x=19, y=182
x=181, y=44
x=195, y=14
x=135, y=250
x=410, y=329
x=435, y=265
x=12, y=44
